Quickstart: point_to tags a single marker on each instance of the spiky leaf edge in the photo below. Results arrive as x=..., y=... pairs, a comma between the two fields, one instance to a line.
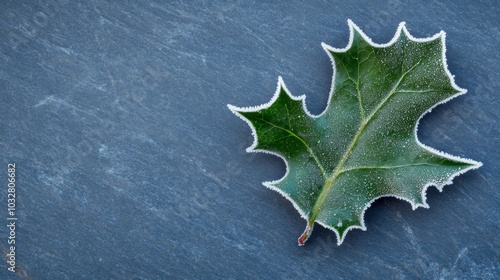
x=328, y=49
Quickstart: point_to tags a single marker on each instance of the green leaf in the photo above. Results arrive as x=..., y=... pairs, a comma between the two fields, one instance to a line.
x=364, y=145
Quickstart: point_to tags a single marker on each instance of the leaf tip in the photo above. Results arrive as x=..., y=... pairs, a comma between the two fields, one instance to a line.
x=232, y=108
x=327, y=48
x=280, y=81
x=353, y=27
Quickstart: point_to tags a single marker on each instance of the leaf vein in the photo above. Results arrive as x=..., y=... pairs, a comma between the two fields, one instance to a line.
x=386, y=167
x=323, y=172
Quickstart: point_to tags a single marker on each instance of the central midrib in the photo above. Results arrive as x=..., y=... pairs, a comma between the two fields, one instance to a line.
x=329, y=181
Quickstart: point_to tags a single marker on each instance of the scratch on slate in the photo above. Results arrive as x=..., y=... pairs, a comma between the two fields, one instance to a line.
x=462, y=253
x=410, y=234
x=54, y=100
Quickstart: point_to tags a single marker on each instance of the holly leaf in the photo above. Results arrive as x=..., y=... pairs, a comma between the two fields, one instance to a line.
x=364, y=145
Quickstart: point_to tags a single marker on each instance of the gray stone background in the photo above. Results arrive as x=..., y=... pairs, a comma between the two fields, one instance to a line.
x=130, y=166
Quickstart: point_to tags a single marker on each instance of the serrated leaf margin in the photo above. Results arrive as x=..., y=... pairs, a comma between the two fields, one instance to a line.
x=328, y=48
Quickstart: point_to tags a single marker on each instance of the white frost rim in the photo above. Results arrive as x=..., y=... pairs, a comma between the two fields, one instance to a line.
x=327, y=48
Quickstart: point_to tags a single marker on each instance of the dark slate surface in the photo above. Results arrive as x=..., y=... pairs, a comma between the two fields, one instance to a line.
x=130, y=166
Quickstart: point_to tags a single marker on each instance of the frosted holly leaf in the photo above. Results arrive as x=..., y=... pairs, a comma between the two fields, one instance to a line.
x=364, y=146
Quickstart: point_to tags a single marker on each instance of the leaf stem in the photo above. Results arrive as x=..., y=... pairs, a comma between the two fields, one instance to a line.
x=307, y=232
